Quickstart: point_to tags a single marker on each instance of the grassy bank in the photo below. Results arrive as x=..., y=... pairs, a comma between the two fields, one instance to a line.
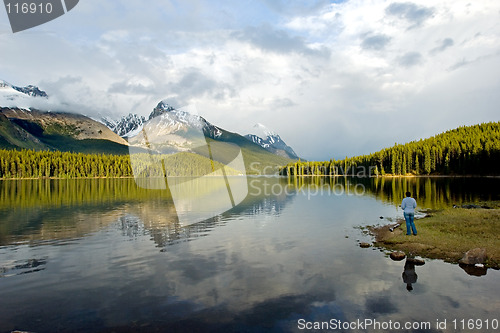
x=447, y=234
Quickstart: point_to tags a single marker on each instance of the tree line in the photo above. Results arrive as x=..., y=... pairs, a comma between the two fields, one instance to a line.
x=467, y=150
x=56, y=164
x=45, y=164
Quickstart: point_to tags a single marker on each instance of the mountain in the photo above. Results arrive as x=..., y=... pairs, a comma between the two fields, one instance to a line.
x=24, y=126
x=272, y=142
x=177, y=120
x=41, y=130
x=173, y=120
x=13, y=136
x=169, y=130
x=126, y=126
x=21, y=97
x=32, y=91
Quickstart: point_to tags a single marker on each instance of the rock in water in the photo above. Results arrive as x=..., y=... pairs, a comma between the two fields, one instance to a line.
x=416, y=262
x=397, y=255
x=364, y=245
x=474, y=256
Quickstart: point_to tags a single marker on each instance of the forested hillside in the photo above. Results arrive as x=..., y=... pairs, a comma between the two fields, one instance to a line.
x=467, y=150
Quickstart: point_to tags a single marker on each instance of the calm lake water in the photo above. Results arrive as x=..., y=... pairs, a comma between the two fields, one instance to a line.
x=104, y=255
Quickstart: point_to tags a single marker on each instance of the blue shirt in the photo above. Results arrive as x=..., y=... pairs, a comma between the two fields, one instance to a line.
x=408, y=205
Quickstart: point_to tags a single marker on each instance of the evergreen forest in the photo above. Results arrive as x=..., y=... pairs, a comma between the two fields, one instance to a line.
x=467, y=150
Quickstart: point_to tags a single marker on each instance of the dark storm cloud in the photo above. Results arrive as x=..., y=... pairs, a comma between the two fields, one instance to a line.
x=375, y=42
x=445, y=43
x=410, y=59
x=278, y=41
x=414, y=14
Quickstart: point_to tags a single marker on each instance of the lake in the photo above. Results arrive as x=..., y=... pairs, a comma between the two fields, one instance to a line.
x=104, y=255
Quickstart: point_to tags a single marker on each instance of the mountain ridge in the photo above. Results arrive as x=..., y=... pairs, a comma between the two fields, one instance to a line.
x=40, y=130
x=272, y=142
x=169, y=130
x=130, y=125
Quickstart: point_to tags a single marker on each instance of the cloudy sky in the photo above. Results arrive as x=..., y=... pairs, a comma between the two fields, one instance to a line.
x=334, y=79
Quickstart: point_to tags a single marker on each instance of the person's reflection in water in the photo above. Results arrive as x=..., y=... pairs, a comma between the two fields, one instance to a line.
x=409, y=275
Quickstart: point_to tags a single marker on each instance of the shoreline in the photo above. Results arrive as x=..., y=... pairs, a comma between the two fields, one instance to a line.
x=446, y=234
x=122, y=177
x=398, y=176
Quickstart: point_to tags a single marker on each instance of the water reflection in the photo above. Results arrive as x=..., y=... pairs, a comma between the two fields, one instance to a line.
x=280, y=256
x=409, y=275
x=40, y=210
x=474, y=270
x=159, y=219
x=20, y=267
x=430, y=192
x=71, y=209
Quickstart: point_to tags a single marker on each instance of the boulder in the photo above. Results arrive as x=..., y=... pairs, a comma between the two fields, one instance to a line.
x=415, y=261
x=397, y=255
x=364, y=245
x=474, y=256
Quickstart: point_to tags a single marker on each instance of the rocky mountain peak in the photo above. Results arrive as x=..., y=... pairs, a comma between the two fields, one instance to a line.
x=160, y=109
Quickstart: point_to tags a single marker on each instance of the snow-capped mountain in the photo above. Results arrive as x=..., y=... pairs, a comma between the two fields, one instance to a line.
x=110, y=123
x=26, y=121
x=272, y=141
x=170, y=130
x=160, y=109
x=172, y=120
x=126, y=126
x=32, y=91
x=178, y=119
x=13, y=96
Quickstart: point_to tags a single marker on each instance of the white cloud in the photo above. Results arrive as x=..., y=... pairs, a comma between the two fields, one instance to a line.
x=331, y=79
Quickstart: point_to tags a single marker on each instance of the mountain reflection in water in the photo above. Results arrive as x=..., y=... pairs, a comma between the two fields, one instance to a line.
x=104, y=255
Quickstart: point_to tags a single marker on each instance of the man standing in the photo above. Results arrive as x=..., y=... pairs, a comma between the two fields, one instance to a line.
x=408, y=206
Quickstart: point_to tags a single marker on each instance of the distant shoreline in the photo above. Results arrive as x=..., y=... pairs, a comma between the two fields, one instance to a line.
x=399, y=176
x=121, y=177
x=280, y=176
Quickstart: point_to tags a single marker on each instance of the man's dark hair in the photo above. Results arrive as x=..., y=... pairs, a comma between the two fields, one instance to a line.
x=408, y=194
